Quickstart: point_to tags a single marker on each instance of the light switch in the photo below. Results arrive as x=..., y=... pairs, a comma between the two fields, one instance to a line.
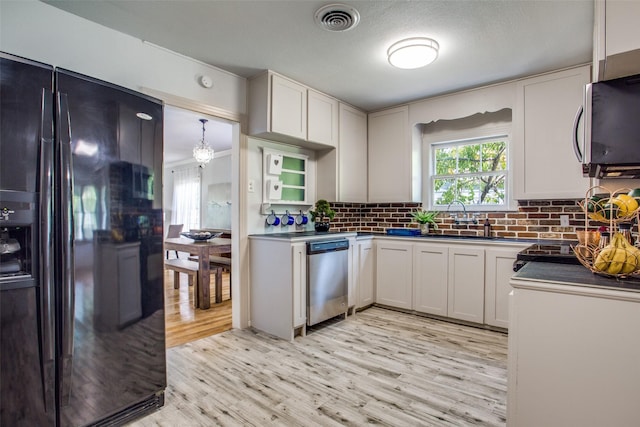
x=564, y=220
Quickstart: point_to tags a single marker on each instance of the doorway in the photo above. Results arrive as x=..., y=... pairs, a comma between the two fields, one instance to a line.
x=213, y=211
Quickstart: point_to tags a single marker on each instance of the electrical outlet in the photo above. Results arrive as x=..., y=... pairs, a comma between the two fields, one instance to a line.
x=564, y=220
x=252, y=185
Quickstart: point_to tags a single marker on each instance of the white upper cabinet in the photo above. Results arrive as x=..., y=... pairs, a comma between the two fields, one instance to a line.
x=389, y=157
x=322, y=123
x=616, y=39
x=288, y=107
x=283, y=110
x=545, y=165
x=277, y=108
x=342, y=172
x=352, y=155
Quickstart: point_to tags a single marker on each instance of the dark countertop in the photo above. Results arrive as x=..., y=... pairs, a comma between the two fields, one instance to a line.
x=304, y=235
x=462, y=238
x=434, y=237
x=575, y=275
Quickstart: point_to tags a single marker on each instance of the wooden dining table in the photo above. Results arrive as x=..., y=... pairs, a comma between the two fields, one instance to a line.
x=203, y=250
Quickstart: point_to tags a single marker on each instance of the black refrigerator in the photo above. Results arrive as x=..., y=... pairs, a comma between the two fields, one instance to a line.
x=82, y=339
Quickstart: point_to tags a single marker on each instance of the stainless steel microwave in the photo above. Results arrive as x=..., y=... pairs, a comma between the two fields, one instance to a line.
x=610, y=143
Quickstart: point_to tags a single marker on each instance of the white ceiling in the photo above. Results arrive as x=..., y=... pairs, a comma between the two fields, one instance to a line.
x=182, y=131
x=481, y=41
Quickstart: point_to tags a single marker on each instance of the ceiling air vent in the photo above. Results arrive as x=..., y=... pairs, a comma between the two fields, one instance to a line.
x=337, y=17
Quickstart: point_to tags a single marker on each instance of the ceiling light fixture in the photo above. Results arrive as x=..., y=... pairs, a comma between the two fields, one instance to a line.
x=202, y=152
x=413, y=53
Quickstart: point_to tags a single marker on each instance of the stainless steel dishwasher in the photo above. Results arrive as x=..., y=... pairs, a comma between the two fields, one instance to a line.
x=327, y=279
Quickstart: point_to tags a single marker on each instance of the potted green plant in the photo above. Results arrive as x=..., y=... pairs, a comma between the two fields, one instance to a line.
x=322, y=215
x=426, y=219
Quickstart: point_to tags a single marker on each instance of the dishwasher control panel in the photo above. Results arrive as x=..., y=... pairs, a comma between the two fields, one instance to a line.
x=327, y=246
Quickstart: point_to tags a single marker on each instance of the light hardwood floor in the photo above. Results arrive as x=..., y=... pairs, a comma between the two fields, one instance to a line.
x=183, y=322
x=377, y=367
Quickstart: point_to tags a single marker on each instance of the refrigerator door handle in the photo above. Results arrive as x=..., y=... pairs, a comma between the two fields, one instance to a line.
x=65, y=209
x=47, y=299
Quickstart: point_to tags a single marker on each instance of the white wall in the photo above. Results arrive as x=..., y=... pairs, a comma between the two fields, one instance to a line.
x=216, y=193
x=35, y=30
x=216, y=173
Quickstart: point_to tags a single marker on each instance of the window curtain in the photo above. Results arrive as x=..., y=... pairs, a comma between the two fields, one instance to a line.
x=186, y=198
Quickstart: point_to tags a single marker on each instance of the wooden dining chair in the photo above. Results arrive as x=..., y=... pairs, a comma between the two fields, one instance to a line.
x=174, y=231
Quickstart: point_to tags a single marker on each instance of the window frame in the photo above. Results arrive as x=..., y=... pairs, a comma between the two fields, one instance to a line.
x=470, y=136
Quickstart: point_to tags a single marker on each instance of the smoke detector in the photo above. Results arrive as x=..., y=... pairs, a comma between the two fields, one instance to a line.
x=337, y=17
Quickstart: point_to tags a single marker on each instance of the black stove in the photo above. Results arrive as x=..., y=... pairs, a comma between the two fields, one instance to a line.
x=554, y=252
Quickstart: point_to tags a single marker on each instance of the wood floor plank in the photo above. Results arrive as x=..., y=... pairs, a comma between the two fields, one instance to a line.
x=378, y=367
x=183, y=322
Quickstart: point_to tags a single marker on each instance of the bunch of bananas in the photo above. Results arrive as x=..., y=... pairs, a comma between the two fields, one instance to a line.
x=618, y=257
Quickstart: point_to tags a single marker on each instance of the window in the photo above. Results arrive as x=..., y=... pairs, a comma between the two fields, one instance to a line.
x=186, y=198
x=472, y=171
x=85, y=202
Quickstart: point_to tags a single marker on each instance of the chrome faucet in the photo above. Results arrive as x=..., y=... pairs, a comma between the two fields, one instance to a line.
x=465, y=217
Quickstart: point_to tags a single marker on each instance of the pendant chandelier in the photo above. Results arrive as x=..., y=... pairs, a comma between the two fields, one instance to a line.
x=202, y=152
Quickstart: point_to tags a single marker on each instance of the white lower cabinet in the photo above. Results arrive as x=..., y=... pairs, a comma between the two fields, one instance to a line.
x=466, y=284
x=394, y=281
x=498, y=272
x=430, y=276
x=278, y=283
x=364, y=265
x=278, y=286
x=299, y=283
x=458, y=281
x=573, y=356
x=448, y=281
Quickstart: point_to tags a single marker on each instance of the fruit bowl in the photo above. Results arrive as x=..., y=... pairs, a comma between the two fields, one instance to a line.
x=621, y=206
x=200, y=236
x=618, y=259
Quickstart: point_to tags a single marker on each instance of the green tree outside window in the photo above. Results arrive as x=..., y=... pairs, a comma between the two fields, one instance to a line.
x=474, y=173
